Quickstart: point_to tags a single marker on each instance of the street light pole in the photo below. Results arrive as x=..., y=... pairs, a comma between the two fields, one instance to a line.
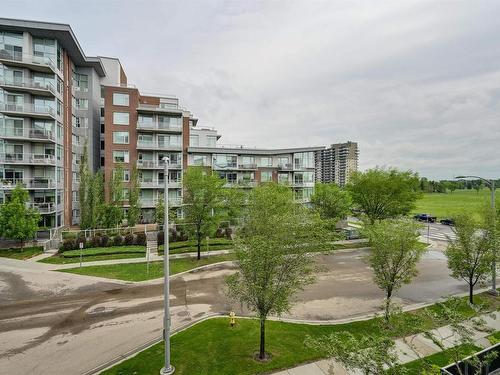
x=491, y=185
x=168, y=368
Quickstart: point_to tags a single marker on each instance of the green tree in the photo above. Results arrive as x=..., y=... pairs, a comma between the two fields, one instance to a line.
x=271, y=251
x=233, y=200
x=17, y=220
x=371, y=354
x=331, y=202
x=384, y=193
x=203, y=198
x=134, y=210
x=395, y=254
x=97, y=202
x=160, y=211
x=469, y=254
x=84, y=190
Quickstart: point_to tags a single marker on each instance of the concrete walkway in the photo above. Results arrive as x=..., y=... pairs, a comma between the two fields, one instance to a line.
x=406, y=348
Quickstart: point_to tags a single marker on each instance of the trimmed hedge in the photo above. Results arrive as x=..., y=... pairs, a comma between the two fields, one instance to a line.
x=105, y=251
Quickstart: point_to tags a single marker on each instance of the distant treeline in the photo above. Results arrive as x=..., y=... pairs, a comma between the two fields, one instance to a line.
x=449, y=186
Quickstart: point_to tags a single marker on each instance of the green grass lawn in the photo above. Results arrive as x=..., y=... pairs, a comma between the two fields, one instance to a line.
x=440, y=359
x=138, y=271
x=494, y=338
x=213, y=347
x=21, y=254
x=97, y=253
x=446, y=205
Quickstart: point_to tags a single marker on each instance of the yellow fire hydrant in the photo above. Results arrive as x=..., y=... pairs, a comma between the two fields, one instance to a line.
x=232, y=318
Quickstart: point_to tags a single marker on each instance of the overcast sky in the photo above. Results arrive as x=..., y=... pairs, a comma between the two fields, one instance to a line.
x=416, y=83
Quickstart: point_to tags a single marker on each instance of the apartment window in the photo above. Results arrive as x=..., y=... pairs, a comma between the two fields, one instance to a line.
x=147, y=121
x=80, y=122
x=44, y=47
x=200, y=160
x=121, y=118
x=59, y=107
x=283, y=160
x=266, y=162
x=283, y=178
x=266, y=176
x=303, y=160
x=169, y=140
x=225, y=161
x=102, y=111
x=120, y=98
x=102, y=128
x=120, y=156
x=120, y=138
x=125, y=174
x=248, y=160
x=81, y=81
x=59, y=57
x=12, y=44
x=194, y=140
x=211, y=140
x=102, y=144
x=81, y=103
x=60, y=85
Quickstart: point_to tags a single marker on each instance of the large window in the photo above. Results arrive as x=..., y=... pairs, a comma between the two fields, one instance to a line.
x=225, y=161
x=248, y=160
x=120, y=156
x=303, y=160
x=44, y=47
x=266, y=162
x=81, y=81
x=266, y=176
x=194, y=140
x=211, y=140
x=120, y=99
x=167, y=122
x=169, y=140
x=121, y=118
x=120, y=138
x=12, y=45
x=200, y=160
x=81, y=103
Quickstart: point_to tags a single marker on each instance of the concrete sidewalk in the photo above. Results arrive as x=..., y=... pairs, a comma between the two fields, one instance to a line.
x=422, y=345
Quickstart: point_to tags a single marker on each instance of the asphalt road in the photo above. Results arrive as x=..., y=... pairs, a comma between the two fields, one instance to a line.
x=55, y=323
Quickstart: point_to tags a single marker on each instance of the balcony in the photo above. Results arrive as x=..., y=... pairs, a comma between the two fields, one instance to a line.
x=35, y=63
x=160, y=184
x=151, y=108
x=285, y=167
x=36, y=159
x=29, y=183
x=151, y=203
x=159, y=127
x=157, y=164
x=303, y=184
x=43, y=208
x=148, y=145
x=248, y=166
x=30, y=110
x=35, y=135
x=225, y=166
x=28, y=85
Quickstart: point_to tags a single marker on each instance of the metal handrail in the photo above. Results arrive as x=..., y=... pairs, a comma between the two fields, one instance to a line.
x=27, y=133
x=28, y=83
x=27, y=108
x=34, y=183
x=26, y=58
x=27, y=158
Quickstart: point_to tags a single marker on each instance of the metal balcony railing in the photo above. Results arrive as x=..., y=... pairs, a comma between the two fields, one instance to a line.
x=28, y=83
x=27, y=109
x=160, y=184
x=285, y=167
x=19, y=57
x=43, y=208
x=29, y=183
x=27, y=133
x=28, y=158
x=157, y=145
x=248, y=166
x=146, y=203
x=157, y=164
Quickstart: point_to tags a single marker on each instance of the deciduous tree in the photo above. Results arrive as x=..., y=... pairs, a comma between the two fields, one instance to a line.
x=17, y=220
x=331, y=202
x=469, y=254
x=134, y=210
x=395, y=254
x=384, y=193
x=271, y=249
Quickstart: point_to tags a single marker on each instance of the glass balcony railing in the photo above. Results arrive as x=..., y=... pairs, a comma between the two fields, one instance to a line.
x=157, y=145
x=30, y=183
x=152, y=202
x=22, y=58
x=157, y=164
x=27, y=109
x=146, y=125
x=44, y=208
x=28, y=83
x=160, y=184
x=21, y=158
x=28, y=133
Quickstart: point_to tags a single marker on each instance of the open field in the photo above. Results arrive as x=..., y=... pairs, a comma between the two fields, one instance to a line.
x=138, y=271
x=21, y=254
x=446, y=205
x=232, y=349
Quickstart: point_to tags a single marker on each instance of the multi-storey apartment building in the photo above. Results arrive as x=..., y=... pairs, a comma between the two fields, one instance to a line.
x=337, y=163
x=47, y=87
x=248, y=167
x=55, y=101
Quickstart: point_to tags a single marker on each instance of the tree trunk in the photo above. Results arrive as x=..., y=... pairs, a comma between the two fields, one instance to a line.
x=198, y=244
x=387, y=306
x=471, y=293
x=262, y=352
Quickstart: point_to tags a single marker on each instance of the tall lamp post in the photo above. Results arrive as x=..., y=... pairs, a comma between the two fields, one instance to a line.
x=168, y=368
x=491, y=185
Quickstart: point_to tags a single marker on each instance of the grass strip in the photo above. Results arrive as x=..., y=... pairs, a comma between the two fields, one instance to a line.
x=21, y=254
x=138, y=271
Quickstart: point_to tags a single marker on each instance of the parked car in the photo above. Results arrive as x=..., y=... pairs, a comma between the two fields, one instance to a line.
x=425, y=217
x=450, y=222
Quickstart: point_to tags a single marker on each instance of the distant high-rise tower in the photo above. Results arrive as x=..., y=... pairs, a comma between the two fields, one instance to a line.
x=337, y=163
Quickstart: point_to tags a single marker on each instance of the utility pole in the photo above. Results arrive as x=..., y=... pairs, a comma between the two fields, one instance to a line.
x=168, y=368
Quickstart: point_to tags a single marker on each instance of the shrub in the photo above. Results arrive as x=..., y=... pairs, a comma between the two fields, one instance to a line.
x=118, y=240
x=140, y=239
x=219, y=233
x=67, y=244
x=96, y=241
x=229, y=233
x=160, y=237
x=173, y=236
x=105, y=241
x=129, y=239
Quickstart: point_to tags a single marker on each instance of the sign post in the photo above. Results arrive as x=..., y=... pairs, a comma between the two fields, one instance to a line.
x=81, y=253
